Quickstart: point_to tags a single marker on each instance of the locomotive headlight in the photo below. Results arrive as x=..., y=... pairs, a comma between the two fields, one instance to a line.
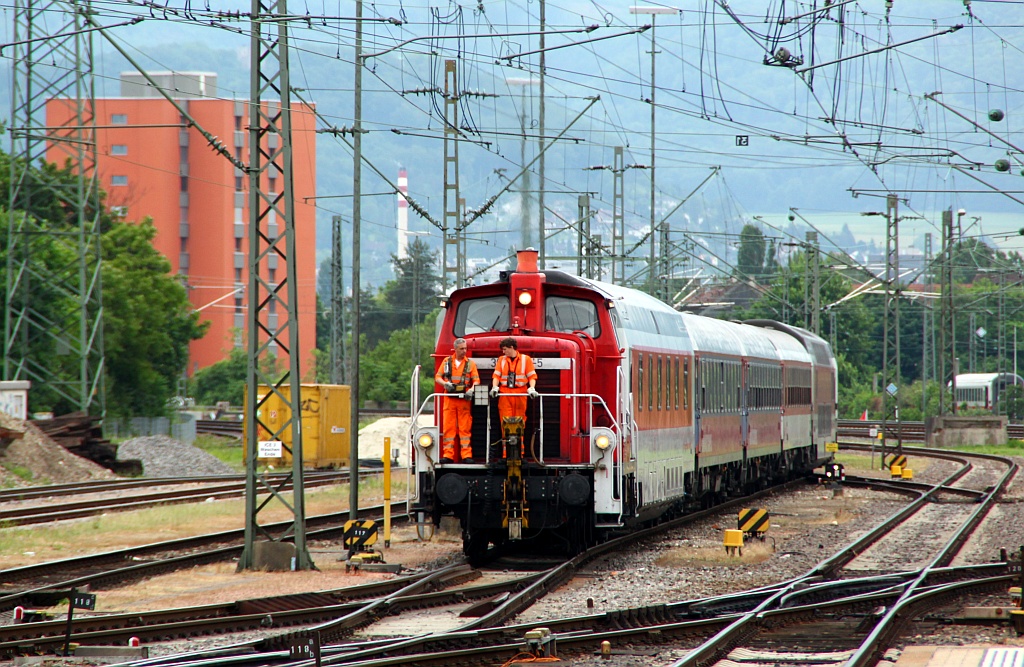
x=426, y=438
x=602, y=441
x=525, y=298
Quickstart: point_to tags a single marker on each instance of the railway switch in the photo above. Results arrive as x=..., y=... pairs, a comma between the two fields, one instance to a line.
x=541, y=643
x=359, y=537
x=733, y=542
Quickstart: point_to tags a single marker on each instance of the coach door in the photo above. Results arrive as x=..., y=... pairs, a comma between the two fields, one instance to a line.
x=743, y=406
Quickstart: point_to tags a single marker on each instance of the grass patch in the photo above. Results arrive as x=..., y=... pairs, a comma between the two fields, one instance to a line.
x=228, y=450
x=22, y=545
x=1011, y=448
x=754, y=551
x=20, y=471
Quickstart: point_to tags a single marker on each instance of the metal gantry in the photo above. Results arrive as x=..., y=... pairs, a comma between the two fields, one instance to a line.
x=618, y=217
x=947, y=319
x=272, y=326
x=891, y=345
x=53, y=333
x=813, y=298
x=453, y=261
x=338, y=357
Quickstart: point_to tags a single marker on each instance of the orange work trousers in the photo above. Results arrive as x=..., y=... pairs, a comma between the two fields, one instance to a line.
x=512, y=405
x=457, y=421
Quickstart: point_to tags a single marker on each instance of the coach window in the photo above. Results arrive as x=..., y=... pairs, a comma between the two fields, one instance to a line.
x=650, y=387
x=675, y=383
x=640, y=382
x=686, y=383
x=660, y=378
x=568, y=315
x=482, y=315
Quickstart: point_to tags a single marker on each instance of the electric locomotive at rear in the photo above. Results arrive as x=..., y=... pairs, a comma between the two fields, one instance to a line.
x=642, y=411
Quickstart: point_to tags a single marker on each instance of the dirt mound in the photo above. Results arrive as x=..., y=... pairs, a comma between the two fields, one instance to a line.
x=371, y=438
x=36, y=459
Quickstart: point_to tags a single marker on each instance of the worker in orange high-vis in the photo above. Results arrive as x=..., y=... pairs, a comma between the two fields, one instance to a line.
x=514, y=379
x=458, y=375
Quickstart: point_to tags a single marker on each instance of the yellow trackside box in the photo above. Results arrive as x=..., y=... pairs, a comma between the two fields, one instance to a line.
x=326, y=410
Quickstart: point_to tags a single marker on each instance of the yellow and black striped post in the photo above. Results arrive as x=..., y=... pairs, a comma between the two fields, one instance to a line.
x=753, y=522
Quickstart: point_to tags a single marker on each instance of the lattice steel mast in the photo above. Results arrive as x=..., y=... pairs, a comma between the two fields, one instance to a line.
x=53, y=326
x=272, y=305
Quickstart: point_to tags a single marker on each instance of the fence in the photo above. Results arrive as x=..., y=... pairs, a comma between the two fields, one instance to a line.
x=181, y=427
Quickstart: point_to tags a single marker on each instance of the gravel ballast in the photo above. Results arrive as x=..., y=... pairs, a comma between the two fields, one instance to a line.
x=163, y=456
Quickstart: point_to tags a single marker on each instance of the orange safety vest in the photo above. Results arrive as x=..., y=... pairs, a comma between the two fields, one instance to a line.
x=448, y=372
x=514, y=374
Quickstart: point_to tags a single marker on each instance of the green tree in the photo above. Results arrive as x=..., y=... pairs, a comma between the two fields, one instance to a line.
x=222, y=381
x=384, y=371
x=148, y=322
x=405, y=299
x=750, y=256
x=225, y=380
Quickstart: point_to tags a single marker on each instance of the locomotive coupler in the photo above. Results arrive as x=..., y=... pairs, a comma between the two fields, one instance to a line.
x=515, y=503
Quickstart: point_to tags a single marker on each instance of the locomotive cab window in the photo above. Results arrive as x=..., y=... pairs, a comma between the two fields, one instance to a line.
x=567, y=315
x=482, y=315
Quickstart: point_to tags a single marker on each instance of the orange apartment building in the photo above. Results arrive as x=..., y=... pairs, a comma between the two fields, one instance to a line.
x=152, y=165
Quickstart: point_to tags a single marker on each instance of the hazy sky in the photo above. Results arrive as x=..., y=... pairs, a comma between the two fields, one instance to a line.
x=783, y=135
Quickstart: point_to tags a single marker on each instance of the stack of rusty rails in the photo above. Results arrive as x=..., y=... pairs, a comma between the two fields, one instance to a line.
x=221, y=427
x=82, y=435
x=7, y=436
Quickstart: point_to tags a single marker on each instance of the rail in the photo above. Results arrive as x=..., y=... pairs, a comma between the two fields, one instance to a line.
x=910, y=430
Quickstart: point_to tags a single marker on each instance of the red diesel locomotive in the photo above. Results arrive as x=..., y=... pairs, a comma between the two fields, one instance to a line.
x=643, y=411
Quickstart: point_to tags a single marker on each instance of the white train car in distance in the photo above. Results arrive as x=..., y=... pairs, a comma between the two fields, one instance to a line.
x=982, y=390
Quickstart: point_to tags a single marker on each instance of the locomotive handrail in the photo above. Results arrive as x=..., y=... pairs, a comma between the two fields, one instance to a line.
x=413, y=422
x=412, y=481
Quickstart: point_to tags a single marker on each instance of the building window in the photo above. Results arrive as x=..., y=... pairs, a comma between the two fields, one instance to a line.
x=238, y=183
x=119, y=149
x=184, y=183
x=119, y=119
x=119, y=180
x=238, y=275
x=119, y=210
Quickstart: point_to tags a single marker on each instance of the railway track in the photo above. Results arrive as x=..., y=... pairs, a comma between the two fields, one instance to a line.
x=801, y=614
x=913, y=431
x=21, y=586
x=199, y=489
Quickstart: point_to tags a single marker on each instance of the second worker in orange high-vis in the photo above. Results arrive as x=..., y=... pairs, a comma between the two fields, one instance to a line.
x=514, y=379
x=458, y=375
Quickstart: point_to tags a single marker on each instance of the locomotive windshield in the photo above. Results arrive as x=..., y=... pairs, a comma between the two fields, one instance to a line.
x=482, y=315
x=568, y=315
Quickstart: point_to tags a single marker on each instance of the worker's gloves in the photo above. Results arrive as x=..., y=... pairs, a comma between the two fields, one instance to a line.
x=449, y=387
x=532, y=393
x=494, y=392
